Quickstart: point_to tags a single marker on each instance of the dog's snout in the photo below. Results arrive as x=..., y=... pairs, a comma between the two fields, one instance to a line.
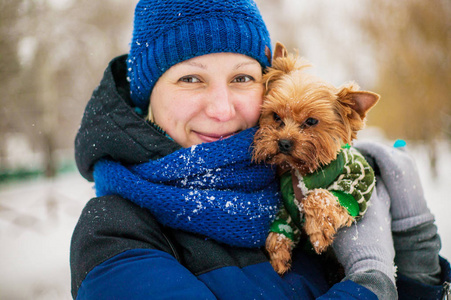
x=285, y=145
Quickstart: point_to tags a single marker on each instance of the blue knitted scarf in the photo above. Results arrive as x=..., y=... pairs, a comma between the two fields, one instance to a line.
x=212, y=189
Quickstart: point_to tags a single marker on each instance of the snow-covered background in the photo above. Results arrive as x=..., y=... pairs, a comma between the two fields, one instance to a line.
x=37, y=218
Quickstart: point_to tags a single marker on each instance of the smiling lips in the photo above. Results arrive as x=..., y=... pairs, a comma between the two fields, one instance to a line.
x=212, y=137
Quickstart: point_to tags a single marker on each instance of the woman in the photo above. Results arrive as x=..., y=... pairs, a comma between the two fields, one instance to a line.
x=182, y=212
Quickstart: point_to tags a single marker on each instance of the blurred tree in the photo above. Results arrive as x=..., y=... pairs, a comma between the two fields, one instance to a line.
x=8, y=65
x=55, y=55
x=412, y=42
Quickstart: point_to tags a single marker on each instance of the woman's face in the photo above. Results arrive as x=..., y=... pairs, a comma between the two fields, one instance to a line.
x=208, y=98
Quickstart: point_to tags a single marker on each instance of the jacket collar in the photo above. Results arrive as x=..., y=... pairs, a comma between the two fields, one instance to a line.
x=111, y=128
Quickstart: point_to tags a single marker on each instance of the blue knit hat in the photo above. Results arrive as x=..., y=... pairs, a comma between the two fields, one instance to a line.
x=167, y=32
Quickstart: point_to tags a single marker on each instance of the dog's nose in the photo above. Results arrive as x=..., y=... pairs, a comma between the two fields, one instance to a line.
x=285, y=145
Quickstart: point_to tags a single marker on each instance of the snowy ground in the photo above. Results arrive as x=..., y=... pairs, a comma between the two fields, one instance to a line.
x=37, y=219
x=36, y=223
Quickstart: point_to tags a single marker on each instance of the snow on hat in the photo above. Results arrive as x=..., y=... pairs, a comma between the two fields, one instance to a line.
x=167, y=32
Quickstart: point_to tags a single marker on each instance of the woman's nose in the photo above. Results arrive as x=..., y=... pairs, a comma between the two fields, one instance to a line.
x=220, y=103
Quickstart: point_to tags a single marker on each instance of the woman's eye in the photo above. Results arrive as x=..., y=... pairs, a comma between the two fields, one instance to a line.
x=189, y=79
x=310, y=122
x=243, y=78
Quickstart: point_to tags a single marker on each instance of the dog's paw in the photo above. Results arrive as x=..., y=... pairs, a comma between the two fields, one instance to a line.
x=279, y=249
x=323, y=217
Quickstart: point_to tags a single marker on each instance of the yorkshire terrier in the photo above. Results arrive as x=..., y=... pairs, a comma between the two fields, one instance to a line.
x=306, y=127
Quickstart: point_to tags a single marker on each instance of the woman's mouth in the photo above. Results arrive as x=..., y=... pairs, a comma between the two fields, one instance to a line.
x=212, y=137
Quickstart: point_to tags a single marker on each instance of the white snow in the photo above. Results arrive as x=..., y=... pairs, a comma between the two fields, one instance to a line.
x=37, y=218
x=36, y=223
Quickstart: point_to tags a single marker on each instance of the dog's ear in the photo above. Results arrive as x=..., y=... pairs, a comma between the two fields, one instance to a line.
x=280, y=50
x=353, y=107
x=359, y=101
x=279, y=66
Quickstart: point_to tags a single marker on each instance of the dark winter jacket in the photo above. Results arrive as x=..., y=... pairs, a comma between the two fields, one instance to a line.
x=119, y=250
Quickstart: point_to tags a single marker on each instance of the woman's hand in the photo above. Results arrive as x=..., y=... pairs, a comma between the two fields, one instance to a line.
x=366, y=248
x=398, y=171
x=415, y=236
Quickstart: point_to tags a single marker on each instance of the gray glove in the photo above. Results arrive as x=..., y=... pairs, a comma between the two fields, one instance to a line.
x=415, y=237
x=366, y=248
x=398, y=171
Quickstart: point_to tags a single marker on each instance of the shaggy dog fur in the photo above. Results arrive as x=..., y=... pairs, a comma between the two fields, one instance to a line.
x=304, y=123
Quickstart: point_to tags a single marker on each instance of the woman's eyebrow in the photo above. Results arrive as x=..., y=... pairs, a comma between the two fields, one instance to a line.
x=237, y=66
x=196, y=64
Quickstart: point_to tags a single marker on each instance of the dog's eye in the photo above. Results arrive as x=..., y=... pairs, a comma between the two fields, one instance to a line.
x=277, y=118
x=310, y=122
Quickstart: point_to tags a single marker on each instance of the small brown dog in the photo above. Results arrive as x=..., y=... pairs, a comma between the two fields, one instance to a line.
x=304, y=125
